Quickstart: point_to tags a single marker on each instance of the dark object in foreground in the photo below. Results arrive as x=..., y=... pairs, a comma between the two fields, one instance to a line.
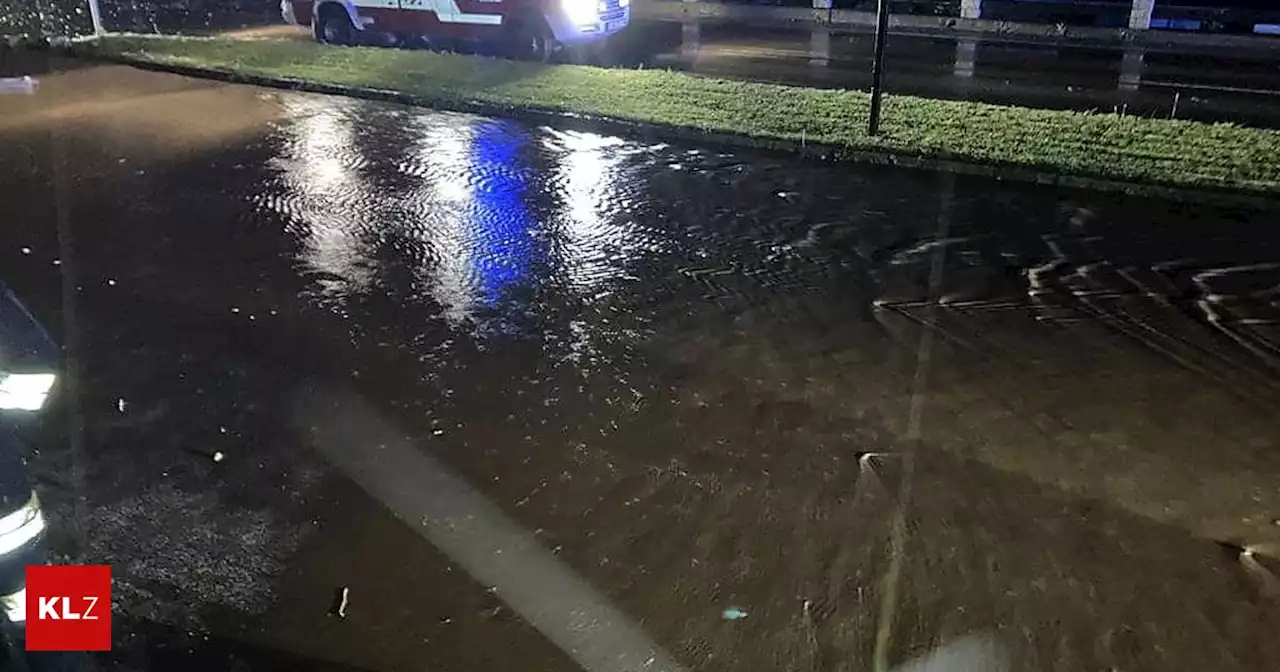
x=28, y=362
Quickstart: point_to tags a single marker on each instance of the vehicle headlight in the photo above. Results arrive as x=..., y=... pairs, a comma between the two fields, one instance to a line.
x=580, y=12
x=21, y=526
x=25, y=391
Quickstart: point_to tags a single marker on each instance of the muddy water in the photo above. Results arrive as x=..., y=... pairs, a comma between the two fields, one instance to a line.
x=543, y=398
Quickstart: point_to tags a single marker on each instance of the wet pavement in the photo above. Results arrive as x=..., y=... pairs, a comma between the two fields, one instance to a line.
x=553, y=400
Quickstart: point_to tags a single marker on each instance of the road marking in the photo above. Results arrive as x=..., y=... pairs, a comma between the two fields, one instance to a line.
x=475, y=533
x=1212, y=87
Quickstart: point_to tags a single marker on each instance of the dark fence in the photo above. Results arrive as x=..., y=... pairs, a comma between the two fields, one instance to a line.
x=44, y=18
x=1236, y=16
x=50, y=18
x=187, y=16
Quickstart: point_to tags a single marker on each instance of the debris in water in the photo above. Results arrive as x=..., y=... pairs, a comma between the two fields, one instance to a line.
x=865, y=458
x=733, y=614
x=1266, y=580
x=340, y=599
x=219, y=456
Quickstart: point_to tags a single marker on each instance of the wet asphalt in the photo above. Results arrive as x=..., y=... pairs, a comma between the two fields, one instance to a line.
x=543, y=399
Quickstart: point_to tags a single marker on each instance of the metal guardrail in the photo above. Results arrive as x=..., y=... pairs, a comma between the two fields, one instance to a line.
x=1212, y=15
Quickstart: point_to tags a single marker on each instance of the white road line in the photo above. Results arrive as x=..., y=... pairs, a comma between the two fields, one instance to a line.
x=474, y=533
x=1211, y=87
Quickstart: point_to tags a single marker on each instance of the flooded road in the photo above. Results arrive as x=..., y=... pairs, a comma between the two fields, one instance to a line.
x=540, y=399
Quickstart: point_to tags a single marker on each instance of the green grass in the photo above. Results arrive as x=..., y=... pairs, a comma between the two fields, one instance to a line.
x=1127, y=149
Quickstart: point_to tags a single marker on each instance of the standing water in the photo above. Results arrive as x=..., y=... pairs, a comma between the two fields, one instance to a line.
x=540, y=398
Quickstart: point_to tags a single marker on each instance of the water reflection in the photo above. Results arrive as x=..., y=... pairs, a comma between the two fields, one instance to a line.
x=320, y=182
x=469, y=208
x=593, y=240
x=481, y=214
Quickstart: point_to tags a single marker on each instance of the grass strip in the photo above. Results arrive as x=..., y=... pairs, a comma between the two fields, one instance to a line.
x=1180, y=154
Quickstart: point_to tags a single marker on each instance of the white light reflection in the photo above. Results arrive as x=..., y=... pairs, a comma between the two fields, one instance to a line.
x=321, y=181
x=446, y=197
x=596, y=234
x=593, y=245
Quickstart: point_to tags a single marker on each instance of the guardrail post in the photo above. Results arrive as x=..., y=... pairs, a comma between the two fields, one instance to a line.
x=690, y=38
x=1140, y=14
x=819, y=46
x=971, y=9
x=1131, y=69
x=966, y=57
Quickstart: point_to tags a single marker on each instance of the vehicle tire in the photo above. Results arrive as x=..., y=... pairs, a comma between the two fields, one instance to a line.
x=529, y=38
x=333, y=26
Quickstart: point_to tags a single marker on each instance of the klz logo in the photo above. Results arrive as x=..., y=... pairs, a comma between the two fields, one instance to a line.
x=49, y=609
x=68, y=608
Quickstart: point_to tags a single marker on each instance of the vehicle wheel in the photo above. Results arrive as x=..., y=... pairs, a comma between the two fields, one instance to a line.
x=529, y=39
x=333, y=26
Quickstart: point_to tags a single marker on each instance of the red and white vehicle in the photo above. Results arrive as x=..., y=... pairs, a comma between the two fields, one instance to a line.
x=531, y=29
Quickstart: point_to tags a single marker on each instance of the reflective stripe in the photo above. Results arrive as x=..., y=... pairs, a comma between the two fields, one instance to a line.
x=448, y=11
x=490, y=19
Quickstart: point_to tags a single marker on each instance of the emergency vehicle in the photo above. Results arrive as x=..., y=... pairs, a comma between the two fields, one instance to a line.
x=526, y=29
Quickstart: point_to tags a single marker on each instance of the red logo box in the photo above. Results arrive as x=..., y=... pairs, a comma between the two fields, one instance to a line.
x=68, y=608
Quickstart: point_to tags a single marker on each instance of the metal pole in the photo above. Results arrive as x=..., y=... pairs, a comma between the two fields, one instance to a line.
x=877, y=65
x=96, y=14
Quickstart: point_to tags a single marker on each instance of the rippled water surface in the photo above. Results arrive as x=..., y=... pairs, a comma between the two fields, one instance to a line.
x=545, y=399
